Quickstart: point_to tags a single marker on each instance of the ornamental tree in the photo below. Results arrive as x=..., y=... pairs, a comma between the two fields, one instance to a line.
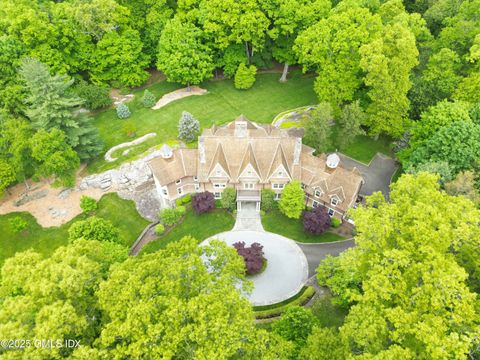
x=123, y=111
x=253, y=256
x=291, y=203
x=188, y=127
x=203, y=202
x=316, y=221
x=245, y=76
x=94, y=228
x=148, y=99
x=88, y=204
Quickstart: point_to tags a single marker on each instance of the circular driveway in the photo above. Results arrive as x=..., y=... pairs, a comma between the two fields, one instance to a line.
x=286, y=271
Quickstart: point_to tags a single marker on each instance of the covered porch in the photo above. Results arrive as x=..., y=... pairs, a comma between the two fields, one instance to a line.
x=248, y=200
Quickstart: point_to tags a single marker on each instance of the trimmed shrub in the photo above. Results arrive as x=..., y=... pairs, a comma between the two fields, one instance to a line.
x=185, y=200
x=203, y=202
x=123, y=111
x=253, y=256
x=292, y=202
x=229, y=199
x=335, y=222
x=94, y=228
x=316, y=221
x=95, y=96
x=188, y=127
x=148, y=99
x=245, y=76
x=181, y=210
x=159, y=229
x=170, y=217
x=268, y=200
x=17, y=224
x=88, y=204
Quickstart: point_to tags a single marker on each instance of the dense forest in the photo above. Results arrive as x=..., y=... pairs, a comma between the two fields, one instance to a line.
x=407, y=70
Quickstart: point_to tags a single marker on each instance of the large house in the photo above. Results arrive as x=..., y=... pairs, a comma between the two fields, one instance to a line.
x=250, y=157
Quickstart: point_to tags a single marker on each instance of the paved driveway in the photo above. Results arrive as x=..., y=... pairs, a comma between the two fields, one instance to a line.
x=287, y=267
x=377, y=174
x=315, y=253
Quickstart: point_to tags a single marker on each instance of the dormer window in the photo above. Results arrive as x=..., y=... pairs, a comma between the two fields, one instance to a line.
x=195, y=178
x=334, y=201
x=318, y=193
x=178, y=182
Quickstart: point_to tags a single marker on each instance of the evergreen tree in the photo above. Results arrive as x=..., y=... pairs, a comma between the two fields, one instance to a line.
x=53, y=105
x=148, y=99
x=188, y=127
x=123, y=111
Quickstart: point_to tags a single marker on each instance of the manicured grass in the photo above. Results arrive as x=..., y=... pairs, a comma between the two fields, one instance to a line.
x=200, y=227
x=121, y=213
x=222, y=103
x=278, y=223
x=277, y=309
x=364, y=148
x=328, y=314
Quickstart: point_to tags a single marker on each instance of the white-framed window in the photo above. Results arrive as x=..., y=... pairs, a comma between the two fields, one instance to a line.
x=179, y=191
x=197, y=187
x=218, y=172
x=318, y=193
x=178, y=182
x=217, y=195
x=330, y=212
x=334, y=201
x=280, y=173
x=315, y=204
x=278, y=186
x=165, y=192
x=249, y=172
x=219, y=185
x=195, y=178
x=249, y=186
x=277, y=196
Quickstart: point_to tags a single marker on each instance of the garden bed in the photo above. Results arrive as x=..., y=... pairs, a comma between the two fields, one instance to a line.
x=274, y=310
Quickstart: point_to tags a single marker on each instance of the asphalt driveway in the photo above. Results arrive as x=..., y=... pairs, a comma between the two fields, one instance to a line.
x=315, y=253
x=377, y=174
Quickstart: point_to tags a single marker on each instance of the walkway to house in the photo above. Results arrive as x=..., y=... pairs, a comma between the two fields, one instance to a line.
x=377, y=174
x=248, y=218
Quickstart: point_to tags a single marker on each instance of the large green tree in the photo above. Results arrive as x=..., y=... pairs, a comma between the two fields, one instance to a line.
x=183, y=55
x=54, y=157
x=289, y=18
x=54, y=297
x=182, y=302
x=388, y=62
x=331, y=48
x=318, y=128
x=410, y=296
x=53, y=105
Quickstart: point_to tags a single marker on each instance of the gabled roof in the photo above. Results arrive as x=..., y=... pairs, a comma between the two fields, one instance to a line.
x=249, y=158
x=278, y=159
x=219, y=158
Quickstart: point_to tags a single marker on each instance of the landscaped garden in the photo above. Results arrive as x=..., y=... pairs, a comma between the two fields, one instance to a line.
x=121, y=213
x=200, y=227
x=276, y=222
x=221, y=104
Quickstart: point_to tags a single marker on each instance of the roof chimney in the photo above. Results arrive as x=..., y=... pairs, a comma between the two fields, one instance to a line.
x=297, y=151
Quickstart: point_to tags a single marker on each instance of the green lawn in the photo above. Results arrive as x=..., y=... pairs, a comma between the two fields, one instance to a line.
x=200, y=227
x=221, y=104
x=121, y=213
x=278, y=223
